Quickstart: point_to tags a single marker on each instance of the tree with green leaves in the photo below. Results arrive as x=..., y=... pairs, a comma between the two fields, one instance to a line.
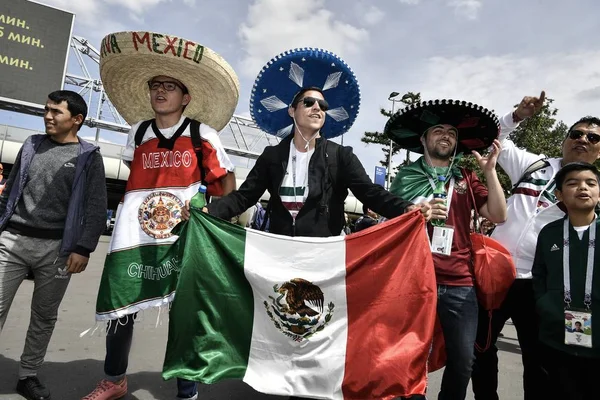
x=381, y=139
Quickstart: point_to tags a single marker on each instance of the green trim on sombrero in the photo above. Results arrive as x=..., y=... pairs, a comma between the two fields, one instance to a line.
x=477, y=126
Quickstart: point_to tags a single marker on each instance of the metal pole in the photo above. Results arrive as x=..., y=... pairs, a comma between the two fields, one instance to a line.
x=389, y=168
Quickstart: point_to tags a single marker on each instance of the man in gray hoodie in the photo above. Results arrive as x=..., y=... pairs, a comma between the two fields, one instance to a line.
x=52, y=213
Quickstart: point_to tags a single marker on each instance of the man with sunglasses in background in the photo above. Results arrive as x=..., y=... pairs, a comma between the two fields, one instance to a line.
x=531, y=206
x=173, y=147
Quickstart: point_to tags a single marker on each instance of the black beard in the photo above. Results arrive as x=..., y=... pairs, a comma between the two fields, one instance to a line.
x=441, y=155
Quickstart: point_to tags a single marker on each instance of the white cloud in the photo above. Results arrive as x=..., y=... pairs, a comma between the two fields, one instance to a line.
x=369, y=14
x=93, y=18
x=86, y=11
x=274, y=26
x=137, y=7
x=100, y=14
x=466, y=8
x=495, y=82
x=499, y=82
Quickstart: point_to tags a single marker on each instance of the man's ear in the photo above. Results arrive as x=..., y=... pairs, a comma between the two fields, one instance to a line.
x=78, y=119
x=291, y=111
x=186, y=99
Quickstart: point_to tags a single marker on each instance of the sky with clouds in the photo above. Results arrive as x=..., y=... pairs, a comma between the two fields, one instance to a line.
x=491, y=52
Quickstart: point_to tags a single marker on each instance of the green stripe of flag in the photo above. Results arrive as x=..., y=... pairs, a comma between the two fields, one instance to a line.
x=214, y=268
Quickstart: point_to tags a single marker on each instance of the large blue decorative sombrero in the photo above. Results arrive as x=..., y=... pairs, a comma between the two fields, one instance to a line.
x=286, y=74
x=477, y=126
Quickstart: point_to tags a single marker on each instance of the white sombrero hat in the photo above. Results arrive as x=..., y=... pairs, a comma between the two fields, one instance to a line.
x=129, y=59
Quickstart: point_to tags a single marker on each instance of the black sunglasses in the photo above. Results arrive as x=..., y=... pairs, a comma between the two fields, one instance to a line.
x=593, y=138
x=310, y=101
x=169, y=86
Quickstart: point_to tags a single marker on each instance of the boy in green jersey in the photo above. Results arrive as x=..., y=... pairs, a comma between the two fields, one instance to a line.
x=566, y=284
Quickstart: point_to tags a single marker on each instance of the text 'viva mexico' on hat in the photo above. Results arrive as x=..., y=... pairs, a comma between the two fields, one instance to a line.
x=286, y=74
x=477, y=126
x=128, y=60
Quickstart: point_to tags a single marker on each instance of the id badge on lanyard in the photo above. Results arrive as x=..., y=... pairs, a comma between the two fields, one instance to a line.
x=578, y=328
x=578, y=324
x=441, y=240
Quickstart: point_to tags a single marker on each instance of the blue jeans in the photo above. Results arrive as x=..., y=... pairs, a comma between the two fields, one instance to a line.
x=458, y=312
x=118, y=344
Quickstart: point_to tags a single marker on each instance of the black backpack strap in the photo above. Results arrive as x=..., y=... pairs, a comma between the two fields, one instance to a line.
x=197, y=143
x=536, y=166
x=141, y=131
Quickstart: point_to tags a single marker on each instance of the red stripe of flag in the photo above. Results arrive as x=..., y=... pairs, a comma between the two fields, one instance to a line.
x=391, y=294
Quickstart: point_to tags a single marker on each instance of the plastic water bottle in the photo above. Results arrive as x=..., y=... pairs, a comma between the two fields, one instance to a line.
x=440, y=193
x=199, y=199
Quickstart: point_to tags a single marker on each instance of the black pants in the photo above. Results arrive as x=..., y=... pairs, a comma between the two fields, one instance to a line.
x=519, y=305
x=571, y=377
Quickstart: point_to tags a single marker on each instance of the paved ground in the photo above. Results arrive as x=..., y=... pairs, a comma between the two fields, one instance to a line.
x=74, y=365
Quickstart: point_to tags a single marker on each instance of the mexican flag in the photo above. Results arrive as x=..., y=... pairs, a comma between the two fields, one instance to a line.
x=328, y=318
x=138, y=272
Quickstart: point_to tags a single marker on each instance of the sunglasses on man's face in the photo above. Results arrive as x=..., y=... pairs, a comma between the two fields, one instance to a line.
x=169, y=86
x=310, y=101
x=593, y=138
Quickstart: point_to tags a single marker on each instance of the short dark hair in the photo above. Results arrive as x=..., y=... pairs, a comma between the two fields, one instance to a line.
x=184, y=88
x=571, y=167
x=299, y=97
x=75, y=103
x=577, y=322
x=588, y=120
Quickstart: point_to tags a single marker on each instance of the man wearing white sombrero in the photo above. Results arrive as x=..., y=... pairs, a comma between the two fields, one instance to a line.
x=177, y=94
x=442, y=130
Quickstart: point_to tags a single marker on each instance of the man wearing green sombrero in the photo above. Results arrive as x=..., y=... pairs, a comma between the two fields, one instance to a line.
x=177, y=94
x=442, y=130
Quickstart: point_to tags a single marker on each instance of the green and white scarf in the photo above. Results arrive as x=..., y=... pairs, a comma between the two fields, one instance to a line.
x=413, y=181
